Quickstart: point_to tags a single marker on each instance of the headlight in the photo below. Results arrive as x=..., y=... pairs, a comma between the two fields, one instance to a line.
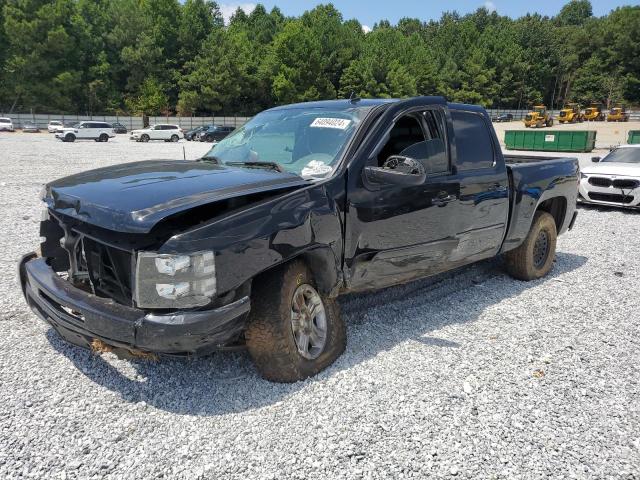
x=175, y=281
x=583, y=175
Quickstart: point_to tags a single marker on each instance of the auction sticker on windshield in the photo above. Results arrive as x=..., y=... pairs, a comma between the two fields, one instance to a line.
x=340, y=123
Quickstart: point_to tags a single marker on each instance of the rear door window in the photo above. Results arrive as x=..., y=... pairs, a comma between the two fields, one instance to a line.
x=474, y=146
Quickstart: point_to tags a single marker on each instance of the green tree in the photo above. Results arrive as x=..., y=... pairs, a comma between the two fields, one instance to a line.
x=576, y=13
x=150, y=99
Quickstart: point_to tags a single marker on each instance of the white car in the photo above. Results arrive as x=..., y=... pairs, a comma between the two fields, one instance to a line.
x=98, y=131
x=55, y=126
x=614, y=180
x=166, y=132
x=6, y=124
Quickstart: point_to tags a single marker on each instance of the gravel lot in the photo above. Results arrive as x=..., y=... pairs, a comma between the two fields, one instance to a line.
x=468, y=375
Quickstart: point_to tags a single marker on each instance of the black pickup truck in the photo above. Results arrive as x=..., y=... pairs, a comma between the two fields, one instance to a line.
x=251, y=244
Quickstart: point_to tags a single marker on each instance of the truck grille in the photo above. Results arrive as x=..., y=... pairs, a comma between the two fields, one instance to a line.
x=610, y=197
x=110, y=270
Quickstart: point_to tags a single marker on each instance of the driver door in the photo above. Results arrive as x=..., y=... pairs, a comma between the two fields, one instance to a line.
x=396, y=232
x=84, y=130
x=156, y=133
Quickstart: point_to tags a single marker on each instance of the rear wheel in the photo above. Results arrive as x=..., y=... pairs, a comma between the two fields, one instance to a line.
x=104, y=137
x=174, y=138
x=294, y=332
x=534, y=258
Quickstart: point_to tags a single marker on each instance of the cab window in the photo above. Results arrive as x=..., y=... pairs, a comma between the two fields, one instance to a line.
x=474, y=146
x=419, y=136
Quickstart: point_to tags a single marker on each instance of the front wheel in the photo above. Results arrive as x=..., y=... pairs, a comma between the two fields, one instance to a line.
x=70, y=137
x=144, y=138
x=534, y=258
x=294, y=331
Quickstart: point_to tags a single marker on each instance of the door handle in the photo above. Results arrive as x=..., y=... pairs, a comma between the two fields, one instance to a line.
x=495, y=186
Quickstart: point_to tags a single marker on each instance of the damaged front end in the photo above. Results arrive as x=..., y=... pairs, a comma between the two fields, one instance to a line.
x=84, y=285
x=182, y=286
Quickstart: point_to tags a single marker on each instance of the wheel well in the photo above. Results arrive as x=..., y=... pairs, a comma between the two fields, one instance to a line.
x=322, y=263
x=557, y=208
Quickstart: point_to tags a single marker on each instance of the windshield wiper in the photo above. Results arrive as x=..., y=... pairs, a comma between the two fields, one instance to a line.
x=271, y=165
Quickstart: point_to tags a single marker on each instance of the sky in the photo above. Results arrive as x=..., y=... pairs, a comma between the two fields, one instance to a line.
x=369, y=12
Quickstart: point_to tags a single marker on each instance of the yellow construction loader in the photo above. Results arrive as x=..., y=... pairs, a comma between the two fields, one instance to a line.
x=618, y=114
x=571, y=113
x=594, y=113
x=538, y=117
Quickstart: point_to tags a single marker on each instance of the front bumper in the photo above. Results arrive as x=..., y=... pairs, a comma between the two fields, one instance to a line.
x=610, y=196
x=80, y=317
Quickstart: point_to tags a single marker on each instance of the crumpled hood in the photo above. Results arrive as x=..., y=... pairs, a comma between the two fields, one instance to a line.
x=613, y=168
x=133, y=197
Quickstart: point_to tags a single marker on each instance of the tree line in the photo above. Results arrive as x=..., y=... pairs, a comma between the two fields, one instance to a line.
x=164, y=56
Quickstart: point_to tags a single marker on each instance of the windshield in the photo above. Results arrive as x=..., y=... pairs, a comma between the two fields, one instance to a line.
x=5, y=120
x=623, y=155
x=307, y=142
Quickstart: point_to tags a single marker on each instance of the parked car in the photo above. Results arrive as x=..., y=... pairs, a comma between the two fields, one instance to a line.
x=55, y=126
x=98, y=131
x=6, y=125
x=214, y=133
x=614, y=180
x=252, y=243
x=30, y=127
x=166, y=132
x=505, y=117
x=119, y=128
x=191, y=134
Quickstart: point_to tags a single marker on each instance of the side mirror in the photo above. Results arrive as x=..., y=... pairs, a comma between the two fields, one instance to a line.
x=595, y=159
x=397, y=170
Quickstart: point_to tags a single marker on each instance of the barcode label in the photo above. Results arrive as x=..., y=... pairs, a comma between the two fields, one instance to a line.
x=340, y=123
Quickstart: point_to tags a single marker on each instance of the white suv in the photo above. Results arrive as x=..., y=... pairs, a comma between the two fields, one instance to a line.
x=6, y=124
x=55, y=126
x=98, y=131
x=168, y=133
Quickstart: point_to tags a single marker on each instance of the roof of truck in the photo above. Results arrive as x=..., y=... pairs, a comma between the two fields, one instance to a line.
x=367, y=103
x=339, y=104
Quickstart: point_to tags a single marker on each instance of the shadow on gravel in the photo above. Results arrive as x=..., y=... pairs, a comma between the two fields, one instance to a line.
x=226, y=382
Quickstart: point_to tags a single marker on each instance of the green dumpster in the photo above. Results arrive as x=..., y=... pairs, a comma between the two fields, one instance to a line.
x=551, y=140
x=634, y=137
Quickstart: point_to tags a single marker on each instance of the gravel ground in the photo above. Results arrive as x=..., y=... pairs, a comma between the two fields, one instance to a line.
x=468, y=375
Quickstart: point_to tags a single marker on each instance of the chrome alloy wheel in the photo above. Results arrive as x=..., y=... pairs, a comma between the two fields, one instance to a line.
x=308, y=322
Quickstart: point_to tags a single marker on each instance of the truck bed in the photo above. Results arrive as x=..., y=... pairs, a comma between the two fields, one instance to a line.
x=534, y=179
x=515, y=159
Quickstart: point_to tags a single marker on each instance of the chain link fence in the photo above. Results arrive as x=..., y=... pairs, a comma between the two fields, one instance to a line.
x=130, y=122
